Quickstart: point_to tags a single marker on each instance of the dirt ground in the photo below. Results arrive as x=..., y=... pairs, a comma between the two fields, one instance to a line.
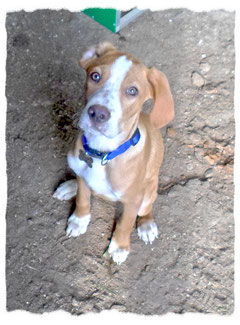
x=190, y=267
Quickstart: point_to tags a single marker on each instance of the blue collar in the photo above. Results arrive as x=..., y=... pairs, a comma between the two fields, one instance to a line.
x=106, y=156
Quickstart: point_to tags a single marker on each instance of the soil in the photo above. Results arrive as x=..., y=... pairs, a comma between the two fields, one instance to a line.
x=190, y=267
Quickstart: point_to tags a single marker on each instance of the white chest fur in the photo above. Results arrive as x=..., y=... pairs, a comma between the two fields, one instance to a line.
x=95, y=177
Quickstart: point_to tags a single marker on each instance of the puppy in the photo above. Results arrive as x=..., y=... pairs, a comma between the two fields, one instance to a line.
x=119, y=149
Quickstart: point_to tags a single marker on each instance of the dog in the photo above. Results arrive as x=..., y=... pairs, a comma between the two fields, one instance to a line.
x=119, y=149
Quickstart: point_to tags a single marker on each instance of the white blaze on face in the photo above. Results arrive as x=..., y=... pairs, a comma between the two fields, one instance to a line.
x=109, y=96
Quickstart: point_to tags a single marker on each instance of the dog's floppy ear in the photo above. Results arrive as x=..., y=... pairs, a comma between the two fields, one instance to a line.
x=95, y=52
x=163, y=106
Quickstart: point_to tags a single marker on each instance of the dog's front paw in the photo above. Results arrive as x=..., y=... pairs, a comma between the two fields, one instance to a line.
x=118, y=255
x=66, y=190
x=77, y=225
x=148, y=231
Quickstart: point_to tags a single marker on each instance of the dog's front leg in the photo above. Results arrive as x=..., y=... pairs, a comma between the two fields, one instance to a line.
x=119, y=247
x=79, y=220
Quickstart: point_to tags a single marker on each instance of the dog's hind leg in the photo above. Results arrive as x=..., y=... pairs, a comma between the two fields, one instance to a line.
x=66, y=190
x=146, y=227
x=119, y=247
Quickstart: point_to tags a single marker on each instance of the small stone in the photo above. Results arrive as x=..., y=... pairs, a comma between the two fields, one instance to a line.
x=118, y=307
x=208, y=173
x=204, y=67
x=212, y=91
x=75, y=303
x=197, y=79
x=210, y=160
x=189, y=167
x=171, y=132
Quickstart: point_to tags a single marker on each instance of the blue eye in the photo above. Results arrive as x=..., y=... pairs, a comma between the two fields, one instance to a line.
x=132, y=91
x=95, y=76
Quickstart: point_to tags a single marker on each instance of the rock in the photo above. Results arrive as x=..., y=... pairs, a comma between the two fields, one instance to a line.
x=204, y=67
x=197, y=79
x=208, y=173
x=171, y=132
x=118, y=307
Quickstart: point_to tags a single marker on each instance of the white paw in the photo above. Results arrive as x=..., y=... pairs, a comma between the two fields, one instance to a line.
x=148, y=232
x=118, y=255
x=66, y=190
x=77, y=225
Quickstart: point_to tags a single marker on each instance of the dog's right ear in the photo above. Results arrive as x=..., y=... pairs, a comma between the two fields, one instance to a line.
x=95, y=52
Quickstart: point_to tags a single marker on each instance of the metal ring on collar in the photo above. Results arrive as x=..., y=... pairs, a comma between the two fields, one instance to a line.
x=104, y=160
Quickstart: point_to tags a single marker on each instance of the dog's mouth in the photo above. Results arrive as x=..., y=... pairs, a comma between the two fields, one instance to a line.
x=99, y=128
x=95, y=128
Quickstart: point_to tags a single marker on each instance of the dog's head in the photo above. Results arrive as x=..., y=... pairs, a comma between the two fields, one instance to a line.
x=117, y=86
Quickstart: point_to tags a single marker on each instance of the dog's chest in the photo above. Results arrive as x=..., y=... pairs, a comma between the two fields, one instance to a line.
x=95, y=177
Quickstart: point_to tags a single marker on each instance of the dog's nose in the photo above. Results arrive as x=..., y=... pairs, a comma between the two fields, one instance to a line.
x=98, y=113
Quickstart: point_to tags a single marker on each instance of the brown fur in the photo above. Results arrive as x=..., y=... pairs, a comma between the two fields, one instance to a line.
x=135, y=173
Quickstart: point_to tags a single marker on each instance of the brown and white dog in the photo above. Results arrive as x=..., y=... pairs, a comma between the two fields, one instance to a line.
x=119, y=150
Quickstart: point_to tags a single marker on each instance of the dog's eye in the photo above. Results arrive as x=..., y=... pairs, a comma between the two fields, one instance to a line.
x=132, y=91
x=95, y=76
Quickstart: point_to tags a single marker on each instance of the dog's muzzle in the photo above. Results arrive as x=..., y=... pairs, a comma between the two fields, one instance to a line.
x=98, y=114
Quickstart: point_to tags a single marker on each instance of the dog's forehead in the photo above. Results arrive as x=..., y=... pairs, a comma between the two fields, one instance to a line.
x=118, y=64
x=119, y=69
x=128, y=67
